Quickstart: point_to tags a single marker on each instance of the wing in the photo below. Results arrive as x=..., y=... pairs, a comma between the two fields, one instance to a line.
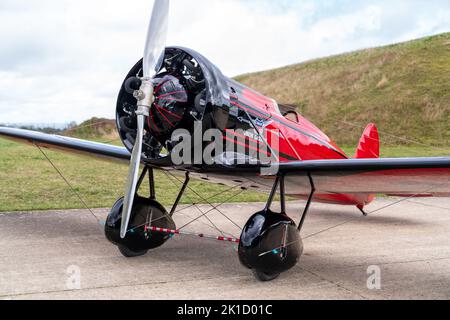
x=402, y=176
x=70, y=145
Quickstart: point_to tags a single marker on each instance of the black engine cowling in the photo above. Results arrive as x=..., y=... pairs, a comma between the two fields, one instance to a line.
x=145, y=213
x=270, y=244
x=179, y=92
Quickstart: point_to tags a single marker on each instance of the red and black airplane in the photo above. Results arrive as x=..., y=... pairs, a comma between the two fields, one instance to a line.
x=176, y=88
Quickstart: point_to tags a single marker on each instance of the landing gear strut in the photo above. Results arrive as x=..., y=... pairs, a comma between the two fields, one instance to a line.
x=146, y=213
x=270, y=242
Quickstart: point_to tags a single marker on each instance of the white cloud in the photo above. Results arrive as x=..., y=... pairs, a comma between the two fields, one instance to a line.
x=64, y=60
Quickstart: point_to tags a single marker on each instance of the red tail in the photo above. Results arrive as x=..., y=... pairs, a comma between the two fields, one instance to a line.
x=369, y=145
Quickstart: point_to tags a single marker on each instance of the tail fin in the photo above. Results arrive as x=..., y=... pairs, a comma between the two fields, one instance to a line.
x=369, y=145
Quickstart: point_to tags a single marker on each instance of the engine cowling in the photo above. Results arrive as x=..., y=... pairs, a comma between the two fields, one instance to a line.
x=188, y=89
x=180, y=100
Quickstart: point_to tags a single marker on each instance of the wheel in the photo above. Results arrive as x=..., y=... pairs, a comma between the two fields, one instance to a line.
x=264, y=277
x=127, y=253
x=139, y=240
x=270, y=245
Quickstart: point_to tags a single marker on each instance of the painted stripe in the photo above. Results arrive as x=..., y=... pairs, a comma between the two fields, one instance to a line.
x=283, y=155
x=158, y=108
x=234, y=101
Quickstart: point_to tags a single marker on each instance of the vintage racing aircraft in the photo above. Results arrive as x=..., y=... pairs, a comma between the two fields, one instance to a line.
x=174, y=88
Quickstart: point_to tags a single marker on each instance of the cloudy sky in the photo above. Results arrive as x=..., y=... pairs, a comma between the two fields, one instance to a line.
x=63, y=60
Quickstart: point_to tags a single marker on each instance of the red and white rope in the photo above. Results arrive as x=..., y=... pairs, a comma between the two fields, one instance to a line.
x=186, y=233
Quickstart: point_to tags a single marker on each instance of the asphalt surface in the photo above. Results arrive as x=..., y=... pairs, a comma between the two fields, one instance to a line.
x=403, y=252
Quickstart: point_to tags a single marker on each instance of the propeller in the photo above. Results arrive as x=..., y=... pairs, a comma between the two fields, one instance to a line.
x=152, y=62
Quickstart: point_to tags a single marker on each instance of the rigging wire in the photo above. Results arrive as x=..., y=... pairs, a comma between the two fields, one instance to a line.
x=384, y=133
x=212, y=205
x=211, y=210
x=191, y=206
x=214, y=208
x=209, y=198
x=77, y=128
x=428, y=205
x=210, y=221
x=204, y=214
x=373, y=212
x=68, y=183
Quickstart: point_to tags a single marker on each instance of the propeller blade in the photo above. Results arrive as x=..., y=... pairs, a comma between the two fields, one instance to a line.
x=153, y=58
x=156, y=38
x=133, y=176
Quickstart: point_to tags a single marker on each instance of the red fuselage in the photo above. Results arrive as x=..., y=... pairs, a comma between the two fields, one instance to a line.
x=298, y=140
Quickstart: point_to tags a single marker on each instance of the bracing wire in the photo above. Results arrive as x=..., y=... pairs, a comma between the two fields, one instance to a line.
x=68, y=183
x=212, y=205
x=210, y=221
x=395, y=137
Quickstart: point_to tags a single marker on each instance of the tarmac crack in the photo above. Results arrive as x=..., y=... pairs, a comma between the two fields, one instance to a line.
x=340, y=286
x=411, y=261
x=133, y=285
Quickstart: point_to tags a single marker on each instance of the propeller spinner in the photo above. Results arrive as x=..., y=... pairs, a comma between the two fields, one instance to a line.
x=153, y=59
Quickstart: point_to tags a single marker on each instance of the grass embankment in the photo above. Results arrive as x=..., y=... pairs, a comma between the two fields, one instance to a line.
x=403, y=88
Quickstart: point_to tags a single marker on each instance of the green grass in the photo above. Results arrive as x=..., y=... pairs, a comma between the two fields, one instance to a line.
x=29, y=182
x=405, y=151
